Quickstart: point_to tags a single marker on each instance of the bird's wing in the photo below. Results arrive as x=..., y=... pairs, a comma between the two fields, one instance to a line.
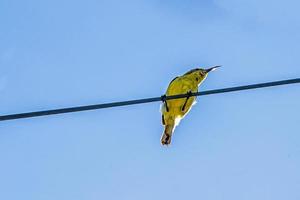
x=173, y=80
x=163, y=108
x=169, y=86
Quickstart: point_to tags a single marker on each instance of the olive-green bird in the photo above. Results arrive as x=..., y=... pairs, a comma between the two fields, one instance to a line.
x=174, y=110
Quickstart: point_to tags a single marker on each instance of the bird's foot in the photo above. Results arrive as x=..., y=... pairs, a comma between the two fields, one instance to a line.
x=189, y=94
x=164, y=99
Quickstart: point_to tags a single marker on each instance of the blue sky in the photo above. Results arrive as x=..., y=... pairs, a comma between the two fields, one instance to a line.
x=235, y=146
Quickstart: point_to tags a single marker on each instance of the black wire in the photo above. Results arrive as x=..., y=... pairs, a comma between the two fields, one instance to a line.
x=146, y=100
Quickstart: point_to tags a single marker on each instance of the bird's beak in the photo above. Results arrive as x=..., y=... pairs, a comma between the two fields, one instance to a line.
x=212, y=68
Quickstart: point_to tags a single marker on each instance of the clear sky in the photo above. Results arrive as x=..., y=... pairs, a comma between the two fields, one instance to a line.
x=235, y=146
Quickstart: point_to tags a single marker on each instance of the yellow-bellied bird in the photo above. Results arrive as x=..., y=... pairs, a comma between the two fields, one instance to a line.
x=175, y=109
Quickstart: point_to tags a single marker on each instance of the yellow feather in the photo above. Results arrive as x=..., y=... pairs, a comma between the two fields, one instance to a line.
x=188, y=82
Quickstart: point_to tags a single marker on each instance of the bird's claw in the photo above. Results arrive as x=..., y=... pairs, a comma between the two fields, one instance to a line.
x=189, y=94
x=164, y=99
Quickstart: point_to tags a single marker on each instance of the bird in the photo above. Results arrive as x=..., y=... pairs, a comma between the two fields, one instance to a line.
x=173, y=110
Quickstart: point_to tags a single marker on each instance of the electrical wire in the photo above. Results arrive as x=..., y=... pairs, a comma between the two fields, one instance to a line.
x=145, y=100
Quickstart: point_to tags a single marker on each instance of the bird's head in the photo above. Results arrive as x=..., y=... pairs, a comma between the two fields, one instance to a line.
x=200, y=74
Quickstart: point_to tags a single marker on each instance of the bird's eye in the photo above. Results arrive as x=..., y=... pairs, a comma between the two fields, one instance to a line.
x=197, y=79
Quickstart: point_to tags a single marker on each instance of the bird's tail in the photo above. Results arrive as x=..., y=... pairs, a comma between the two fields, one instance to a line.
x=167, y=134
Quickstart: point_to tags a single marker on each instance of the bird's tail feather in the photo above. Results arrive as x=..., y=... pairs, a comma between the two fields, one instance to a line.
x=167, y=134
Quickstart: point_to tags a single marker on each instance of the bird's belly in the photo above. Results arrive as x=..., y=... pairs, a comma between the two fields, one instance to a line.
x=175, y=105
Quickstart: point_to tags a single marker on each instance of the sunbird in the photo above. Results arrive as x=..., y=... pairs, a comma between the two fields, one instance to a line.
x=174, y=110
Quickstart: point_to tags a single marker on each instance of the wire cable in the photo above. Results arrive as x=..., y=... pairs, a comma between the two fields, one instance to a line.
x=145, y=100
